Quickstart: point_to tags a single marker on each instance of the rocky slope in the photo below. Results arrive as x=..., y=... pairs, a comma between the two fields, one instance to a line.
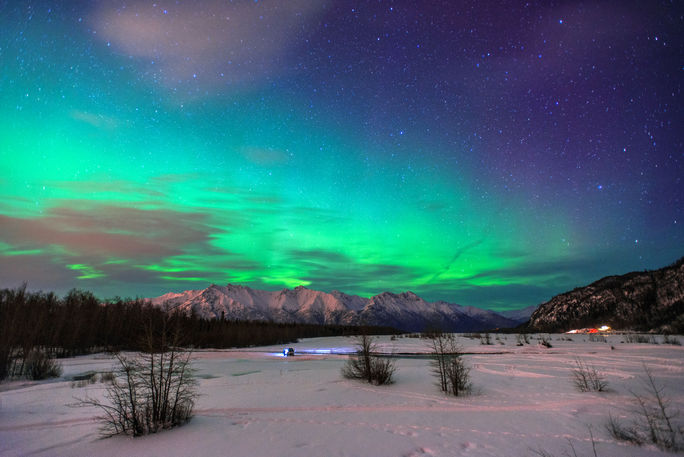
x=406, y=311
x=644, y=301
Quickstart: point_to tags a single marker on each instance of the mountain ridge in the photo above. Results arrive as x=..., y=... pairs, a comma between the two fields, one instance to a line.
x=651, y=300
x=405, y=311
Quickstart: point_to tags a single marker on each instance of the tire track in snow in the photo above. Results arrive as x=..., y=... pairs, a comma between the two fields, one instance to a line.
x=49, y=424
x=59, y=445
x=413, y=430
x=560, y=405
x=511, y=372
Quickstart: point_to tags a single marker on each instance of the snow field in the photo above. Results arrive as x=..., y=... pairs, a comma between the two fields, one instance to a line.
x=258, y=403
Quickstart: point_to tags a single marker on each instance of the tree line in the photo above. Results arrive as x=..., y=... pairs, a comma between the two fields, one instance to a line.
x=80, y=323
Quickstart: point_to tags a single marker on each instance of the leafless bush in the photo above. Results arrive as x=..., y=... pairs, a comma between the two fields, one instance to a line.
x=669, y=339
x=545, y=341
x=5, y=361
x=382, y=370
x=637, y=339
x=153, y=391
x=39, y=365
x=366, y=365
x=522, y=339
x=654, y=419
x=447, y=365
x=107, y=377
x=543, y=453
x=597, y=338
x=486, y=339
x=587, y=378
x=84, y=379
x=622, y=432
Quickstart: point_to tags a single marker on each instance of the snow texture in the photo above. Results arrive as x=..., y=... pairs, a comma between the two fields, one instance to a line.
x=258, y=403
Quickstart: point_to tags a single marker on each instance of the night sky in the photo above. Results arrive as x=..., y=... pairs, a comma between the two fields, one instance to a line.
x=487, y=153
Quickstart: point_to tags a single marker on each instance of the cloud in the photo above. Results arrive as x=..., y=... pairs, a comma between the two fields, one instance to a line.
x=99, y=121
x=265, y=157
x=329, y=270
x=560, y=272
x=174, y=178
x=207, y=43
x=87, y=188
x=39, y=271
x=108, y=231
x=319, y=255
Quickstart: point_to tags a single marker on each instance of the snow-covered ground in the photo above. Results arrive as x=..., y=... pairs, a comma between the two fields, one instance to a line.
x=258, y=403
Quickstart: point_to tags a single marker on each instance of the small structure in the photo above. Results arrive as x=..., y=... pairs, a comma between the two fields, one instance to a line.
x=288, y=352
x=601, y=329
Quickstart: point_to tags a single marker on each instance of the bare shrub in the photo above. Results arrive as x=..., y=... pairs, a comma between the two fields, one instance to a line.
x=522, y=339
x=654, y=419
x=366, y=365
x=152, y=391
x=597, y=338
x=39, y=365
x=382, y=370
x=82, y=380
x=486, y=339
x=587, y=378
x=621, y=432
x=107, y=377
x=543, y=453
x=458, y=376
x=633, y=338
x=439, y=350
x=545, y=341
x=669, y=339
x=447, y=365
x=5, y=361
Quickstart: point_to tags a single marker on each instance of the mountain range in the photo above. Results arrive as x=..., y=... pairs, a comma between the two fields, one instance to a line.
x=641, y=300
x=405, y=311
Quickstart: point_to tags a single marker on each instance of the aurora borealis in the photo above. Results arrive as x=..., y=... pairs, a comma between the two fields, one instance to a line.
x=486, y=153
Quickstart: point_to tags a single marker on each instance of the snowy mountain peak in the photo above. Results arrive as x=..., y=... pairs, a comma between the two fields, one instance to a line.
x=405, y=311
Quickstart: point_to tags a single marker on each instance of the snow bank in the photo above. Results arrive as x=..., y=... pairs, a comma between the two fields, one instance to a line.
x=258, y=403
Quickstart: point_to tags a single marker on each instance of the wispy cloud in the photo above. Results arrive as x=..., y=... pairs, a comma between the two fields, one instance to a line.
x=108, y=231
x=96, y=120
x=265, y=156
x=205, y=43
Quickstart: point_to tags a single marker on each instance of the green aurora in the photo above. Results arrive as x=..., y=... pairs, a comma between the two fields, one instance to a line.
x=120, y=178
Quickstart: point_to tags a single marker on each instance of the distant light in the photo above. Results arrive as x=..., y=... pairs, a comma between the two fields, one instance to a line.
x=560, y=21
